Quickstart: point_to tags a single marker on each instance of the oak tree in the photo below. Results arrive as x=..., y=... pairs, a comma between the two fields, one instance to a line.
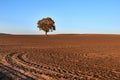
x=46, y=24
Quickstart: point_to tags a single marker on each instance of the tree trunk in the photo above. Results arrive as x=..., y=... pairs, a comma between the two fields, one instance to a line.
x=46, y=33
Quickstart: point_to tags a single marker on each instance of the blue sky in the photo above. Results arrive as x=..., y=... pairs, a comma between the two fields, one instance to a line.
x=71, y=16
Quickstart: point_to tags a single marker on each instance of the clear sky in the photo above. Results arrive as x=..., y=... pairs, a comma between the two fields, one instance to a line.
x=71, y=16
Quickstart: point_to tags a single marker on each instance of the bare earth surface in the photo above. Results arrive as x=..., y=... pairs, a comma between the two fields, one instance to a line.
x=60, y=57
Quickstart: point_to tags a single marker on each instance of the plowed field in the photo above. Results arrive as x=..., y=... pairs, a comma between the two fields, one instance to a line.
x=60, y=57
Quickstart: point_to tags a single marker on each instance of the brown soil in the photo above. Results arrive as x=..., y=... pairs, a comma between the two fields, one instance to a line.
x=60, y=57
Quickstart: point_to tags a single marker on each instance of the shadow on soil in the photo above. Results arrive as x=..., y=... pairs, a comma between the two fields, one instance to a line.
x=4, y=77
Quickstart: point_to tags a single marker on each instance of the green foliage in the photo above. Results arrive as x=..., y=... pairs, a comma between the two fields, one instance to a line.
x=46, y=24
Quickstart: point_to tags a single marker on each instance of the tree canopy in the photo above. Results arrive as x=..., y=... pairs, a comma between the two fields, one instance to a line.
x=46, y=24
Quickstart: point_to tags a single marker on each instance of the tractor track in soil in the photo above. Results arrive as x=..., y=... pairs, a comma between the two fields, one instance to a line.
x=16, y=60
x=23, y=69
x=12, y=73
